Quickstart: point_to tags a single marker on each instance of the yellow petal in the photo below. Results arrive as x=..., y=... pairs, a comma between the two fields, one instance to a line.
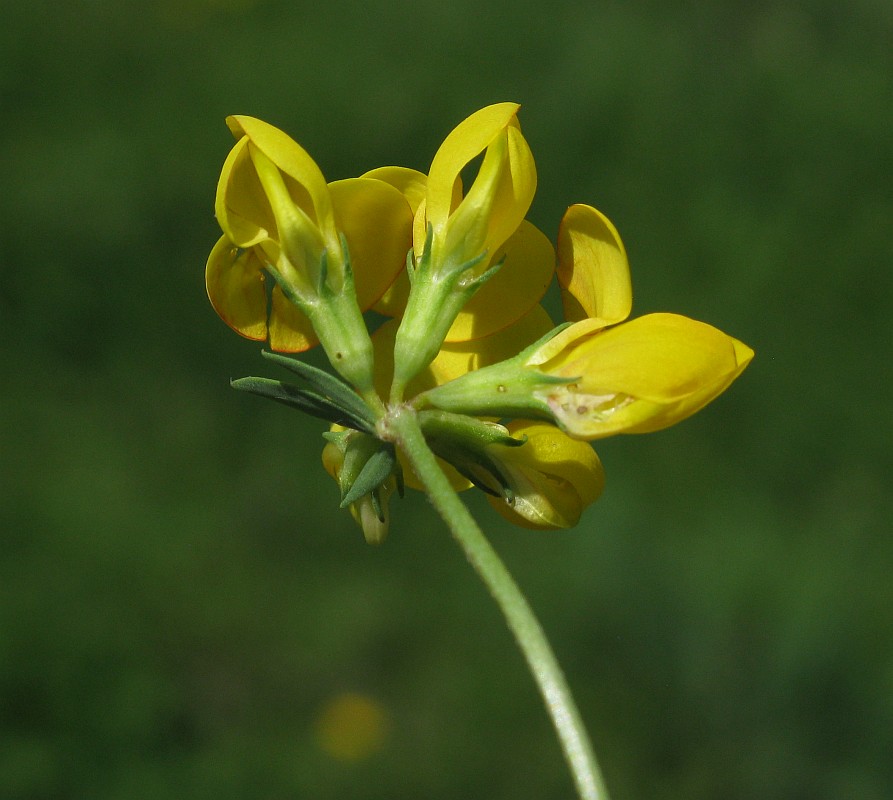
x=593, y=270
x=642, y=375
x=457, y=481
x=420, y=224
x=498, y=199
x=383, y=356
x=555, y=478
x=333, y=456
x=241, y=207
x=295, y=162
x=393, y=301
x=409, y=182
x=501, y=193
x=376, y=220
x=235, y=285
x=467, y=140
x=290, y=330
x=517, y=287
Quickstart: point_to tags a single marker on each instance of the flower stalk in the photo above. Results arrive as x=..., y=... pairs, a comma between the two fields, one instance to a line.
x=401, y=426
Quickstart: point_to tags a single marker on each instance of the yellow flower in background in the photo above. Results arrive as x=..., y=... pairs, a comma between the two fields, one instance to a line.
x=352, y=727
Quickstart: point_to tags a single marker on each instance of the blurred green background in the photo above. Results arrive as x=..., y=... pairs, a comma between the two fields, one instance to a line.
x=181, y=600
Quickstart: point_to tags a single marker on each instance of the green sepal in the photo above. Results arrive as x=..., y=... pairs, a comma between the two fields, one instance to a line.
x=349, y=284
x=468, y=445
x=483, y=474
x=304, y=400
x=335, y=390
x=375, y=498
x=410, y=265
x=532, y=348
x=322, y=275
x=468, y=430
x=336, y=318
x=439, y=291
x=337, y=438
x=379, y=466
x=455, y=271
x=509, y=388
x=481, y=279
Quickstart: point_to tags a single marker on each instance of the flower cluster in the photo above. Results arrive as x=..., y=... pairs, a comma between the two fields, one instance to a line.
x=505, y=399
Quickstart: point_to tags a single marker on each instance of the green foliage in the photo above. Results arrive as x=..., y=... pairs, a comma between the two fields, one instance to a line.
x=179, y=594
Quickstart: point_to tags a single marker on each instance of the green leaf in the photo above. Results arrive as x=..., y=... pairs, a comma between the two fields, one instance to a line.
x=305, y=400
x=336, y=391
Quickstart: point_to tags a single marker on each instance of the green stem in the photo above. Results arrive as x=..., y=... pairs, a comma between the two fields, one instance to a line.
x=402, y=426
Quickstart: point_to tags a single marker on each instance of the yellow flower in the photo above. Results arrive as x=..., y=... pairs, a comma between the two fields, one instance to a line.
x=640, y=376
x=477, y=264
x=635, y=377
x=600, y=375
x=352, y=726
x=333, y=249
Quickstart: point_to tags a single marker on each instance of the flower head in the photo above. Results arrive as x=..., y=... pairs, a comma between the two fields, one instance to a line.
x=504, y=399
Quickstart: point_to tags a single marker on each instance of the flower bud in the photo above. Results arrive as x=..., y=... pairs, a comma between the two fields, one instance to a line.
x=550, y=479
x=366, y=480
